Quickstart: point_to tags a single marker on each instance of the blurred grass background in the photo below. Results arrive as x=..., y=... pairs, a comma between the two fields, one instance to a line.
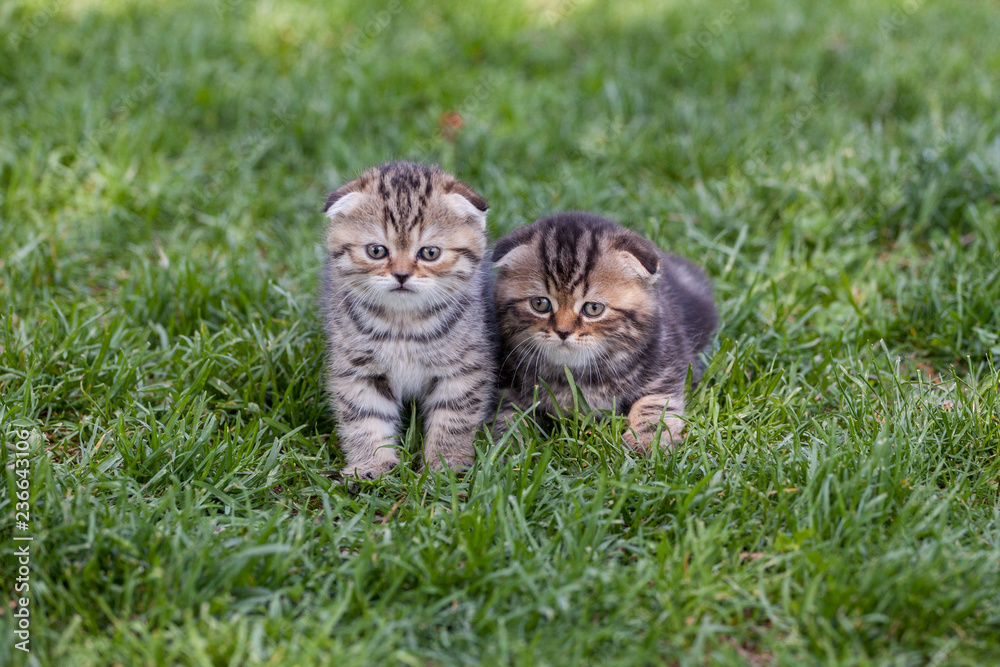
x=835, y=166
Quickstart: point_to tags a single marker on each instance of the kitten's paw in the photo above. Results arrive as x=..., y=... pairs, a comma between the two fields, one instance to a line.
x=639, y=437
x=369, y=469
x=456, y=462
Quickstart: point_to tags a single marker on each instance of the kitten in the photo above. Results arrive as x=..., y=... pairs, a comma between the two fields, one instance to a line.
x=578, y=291
x=406, y=310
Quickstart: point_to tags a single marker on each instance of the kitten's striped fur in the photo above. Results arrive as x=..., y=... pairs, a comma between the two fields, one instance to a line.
x=403, y=326
x=658, y=313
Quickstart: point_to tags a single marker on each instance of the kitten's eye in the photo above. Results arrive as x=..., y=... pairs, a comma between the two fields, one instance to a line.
x=591, y=309
x=540, y=304
x=377, y=251
x=430, y=253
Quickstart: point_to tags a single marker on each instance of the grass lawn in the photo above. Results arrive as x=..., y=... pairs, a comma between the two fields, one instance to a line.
x=834, y=166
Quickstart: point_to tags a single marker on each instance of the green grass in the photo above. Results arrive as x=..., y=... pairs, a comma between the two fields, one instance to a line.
x=834, y=166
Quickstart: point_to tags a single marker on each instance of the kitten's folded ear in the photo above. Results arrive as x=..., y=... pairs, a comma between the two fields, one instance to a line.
x=467, y=201
x=462, y=189
x=640, y=255
x=343, y=198
x=519, y=237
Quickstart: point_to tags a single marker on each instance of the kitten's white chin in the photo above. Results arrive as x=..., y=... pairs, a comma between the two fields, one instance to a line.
x=567, y=355
x=403, y=300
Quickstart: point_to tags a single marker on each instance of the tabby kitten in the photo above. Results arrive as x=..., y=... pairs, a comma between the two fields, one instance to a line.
x=577, y=291
x=406, y=309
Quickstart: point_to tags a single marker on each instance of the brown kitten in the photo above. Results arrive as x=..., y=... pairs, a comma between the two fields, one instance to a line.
x=406, y=309
x=577, y=291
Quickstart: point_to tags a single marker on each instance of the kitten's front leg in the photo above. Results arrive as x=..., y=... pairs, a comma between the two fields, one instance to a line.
x=506, y=415
x=645, y=416
x=367, y=414
x=453, y=411
x=512, y=406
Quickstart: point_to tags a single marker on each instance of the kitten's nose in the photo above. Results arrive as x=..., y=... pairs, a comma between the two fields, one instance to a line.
x=563, y=334
x=401, y=277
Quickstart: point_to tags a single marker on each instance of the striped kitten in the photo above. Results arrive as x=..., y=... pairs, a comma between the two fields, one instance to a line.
x=577, y=291
x=406, y=296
